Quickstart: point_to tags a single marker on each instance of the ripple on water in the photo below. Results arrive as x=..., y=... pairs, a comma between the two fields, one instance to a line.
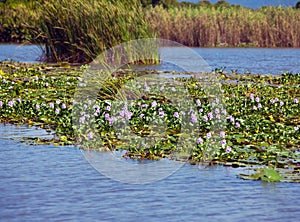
x=57, y=183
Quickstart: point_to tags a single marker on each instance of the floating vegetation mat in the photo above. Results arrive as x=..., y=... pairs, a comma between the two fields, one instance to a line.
x=260, y=115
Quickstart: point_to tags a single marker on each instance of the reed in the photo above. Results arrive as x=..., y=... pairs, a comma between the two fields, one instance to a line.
x=227, y=26
x=78, y=31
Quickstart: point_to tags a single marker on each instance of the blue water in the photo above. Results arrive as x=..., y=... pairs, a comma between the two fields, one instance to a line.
x=253, y=60
x=256, y=3
x=50, y=183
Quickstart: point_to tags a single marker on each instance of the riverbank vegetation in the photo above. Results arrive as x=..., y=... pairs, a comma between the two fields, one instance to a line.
x=72, y=30
x=77, y=32
x=261, y=114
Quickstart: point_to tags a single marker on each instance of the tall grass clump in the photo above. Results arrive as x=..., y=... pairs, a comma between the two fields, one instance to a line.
x=78, y=31
x=206, y=26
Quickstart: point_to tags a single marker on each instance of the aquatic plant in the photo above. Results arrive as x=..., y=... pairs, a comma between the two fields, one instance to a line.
x=266, y=135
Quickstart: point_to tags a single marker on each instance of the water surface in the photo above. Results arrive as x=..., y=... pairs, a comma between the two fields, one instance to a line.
x=50, y=183
x=253, y=60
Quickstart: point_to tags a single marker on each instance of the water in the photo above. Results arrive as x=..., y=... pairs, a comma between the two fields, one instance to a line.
x=22, y=53
x=253, y=60
x=257, y=3
x=40, y=183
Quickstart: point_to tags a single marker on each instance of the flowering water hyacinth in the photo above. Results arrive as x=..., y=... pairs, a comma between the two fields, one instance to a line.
x=296, y=128
x=208, y=135
x=257, y=99
x=199, y=140
x=198, y=102
x=237, y=125
x=90, y=135
x=223, y=142
x=296, y=101
x=210, y=116
x=281, y=103
x=251, y=97
x=1, y=103
x=194, y=118
x=259, y=106
x=176, y=115
x=153, y=104
x=57, y=111
x=108, y=108
x=51, y=105
x=205, y=118
x=222, y=134
x=231, y=119
x=63, y=106
x=11, y=103
x=228, y=149
x=37, y=106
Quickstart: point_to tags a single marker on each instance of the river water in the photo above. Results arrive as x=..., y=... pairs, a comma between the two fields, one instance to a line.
x=253, y=60
x=53, y=183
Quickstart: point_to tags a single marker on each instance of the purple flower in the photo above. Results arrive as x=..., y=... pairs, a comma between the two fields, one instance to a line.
x=208, y=135
x=11, y=103
x=51, y=105
x=205, y=118
x=251, y=97
x=224, y=112
x=1, y=103
x=257, y=99
x=228, y=149
x=19, y=100
x=254, y=108
x=81, y=119
x=57, y=102
x=231, y=119
x=106, y=116
x=259, y=106
x=199, y=140
x=237, y=125
x=200, y=110
x=128, y=114
x=153, y=104
x=144, y=105
x=194, y=118
x=46, y=84
x=222, y=134
x=281, y=103
x=161, y=113
x=217, y=111
x=122, y=113
x=218, y=116
x=210, y=115
x=108, y=108
x=90, y=135
x=176, y=115
x=63, y=106
x=37, y=106
x=142, y=115
x=57, y=111
x=296, y=100
x=198, y=102
x=36, y=78
x=223, y=142
x=296, y=128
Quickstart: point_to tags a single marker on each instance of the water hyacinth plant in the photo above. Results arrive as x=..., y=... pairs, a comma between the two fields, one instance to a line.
x=269, y=135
